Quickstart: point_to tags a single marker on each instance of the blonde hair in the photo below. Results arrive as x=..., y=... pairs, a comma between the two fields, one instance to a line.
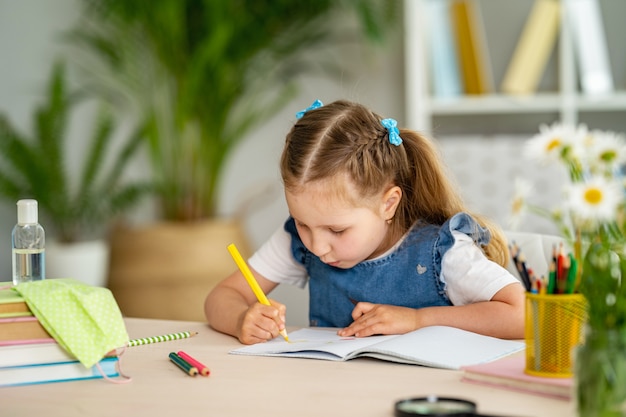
x=345, y=139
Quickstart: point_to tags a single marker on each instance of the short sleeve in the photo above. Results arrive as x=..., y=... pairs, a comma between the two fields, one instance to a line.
x=274, y=260
x=469, y=276
x=462, y=223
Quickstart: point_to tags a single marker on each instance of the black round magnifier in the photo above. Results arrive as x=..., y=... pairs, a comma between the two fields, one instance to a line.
x=433, y=405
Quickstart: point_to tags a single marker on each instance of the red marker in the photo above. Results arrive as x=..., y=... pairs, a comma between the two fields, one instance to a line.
x=204, y=371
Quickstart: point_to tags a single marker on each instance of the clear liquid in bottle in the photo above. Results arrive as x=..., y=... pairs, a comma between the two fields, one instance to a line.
x=28, y=265
x=28, y=244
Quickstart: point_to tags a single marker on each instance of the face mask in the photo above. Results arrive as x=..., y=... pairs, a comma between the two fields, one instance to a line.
x=86, y=321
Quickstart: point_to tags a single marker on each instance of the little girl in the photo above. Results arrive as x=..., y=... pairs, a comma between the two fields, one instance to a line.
x=380, y=235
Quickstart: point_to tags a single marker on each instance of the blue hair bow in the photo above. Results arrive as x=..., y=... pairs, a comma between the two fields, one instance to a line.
x=316, y=105
x=394, y=134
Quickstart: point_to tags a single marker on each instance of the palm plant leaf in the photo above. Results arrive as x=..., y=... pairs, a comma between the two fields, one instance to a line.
x=34, y=167
x=15, y=154
x=95, y=157
x=199, y=74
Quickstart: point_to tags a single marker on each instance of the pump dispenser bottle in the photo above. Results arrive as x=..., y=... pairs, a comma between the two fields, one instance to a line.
x=28, y=244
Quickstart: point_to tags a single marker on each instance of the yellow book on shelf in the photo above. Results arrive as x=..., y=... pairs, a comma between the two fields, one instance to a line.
x=472, y=47
x=533, y=49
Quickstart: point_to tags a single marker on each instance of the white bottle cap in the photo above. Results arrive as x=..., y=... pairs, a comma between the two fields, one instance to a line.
x=27, y=212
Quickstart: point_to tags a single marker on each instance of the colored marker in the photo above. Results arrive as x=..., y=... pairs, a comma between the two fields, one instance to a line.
x=552, y=279
x=184, y=365
x=570, y=286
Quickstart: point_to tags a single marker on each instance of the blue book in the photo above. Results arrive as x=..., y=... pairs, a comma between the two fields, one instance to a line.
x=56, y=372
x=445, y=73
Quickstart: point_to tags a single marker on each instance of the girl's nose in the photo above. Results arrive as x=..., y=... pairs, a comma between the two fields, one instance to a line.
x=319, y=246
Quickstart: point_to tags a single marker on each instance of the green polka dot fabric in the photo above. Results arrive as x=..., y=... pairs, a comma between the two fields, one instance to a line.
x=85, y=320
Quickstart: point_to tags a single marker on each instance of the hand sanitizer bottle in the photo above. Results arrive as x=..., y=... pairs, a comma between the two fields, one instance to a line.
x=28, y=243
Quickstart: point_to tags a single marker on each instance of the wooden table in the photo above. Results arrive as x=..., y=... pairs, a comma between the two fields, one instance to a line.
x=256, y=386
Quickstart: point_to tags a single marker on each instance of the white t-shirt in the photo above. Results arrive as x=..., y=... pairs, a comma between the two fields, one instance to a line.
x=469, y=276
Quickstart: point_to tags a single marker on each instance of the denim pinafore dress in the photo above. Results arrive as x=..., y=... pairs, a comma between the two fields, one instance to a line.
x=408, y=277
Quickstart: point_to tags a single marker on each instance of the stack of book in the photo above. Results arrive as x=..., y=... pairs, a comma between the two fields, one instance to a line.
x=30, y=355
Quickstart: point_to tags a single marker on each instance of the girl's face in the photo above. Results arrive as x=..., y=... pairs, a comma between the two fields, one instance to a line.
x=336, y=231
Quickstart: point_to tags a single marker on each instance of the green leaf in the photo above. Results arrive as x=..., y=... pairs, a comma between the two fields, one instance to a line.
x=200, y=74
x=35, y=167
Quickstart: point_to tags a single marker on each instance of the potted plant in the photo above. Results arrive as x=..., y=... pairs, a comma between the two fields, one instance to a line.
x=199, y=75
x=74, y=213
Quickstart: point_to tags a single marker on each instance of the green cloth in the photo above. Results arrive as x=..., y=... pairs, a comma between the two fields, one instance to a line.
x=85, y=320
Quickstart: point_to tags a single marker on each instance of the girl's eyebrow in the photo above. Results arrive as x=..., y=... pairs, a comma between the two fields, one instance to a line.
x=328, y=226
x=337, y=226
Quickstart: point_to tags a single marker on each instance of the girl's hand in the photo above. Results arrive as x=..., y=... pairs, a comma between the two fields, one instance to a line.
x=371, y=319
x=261, y=323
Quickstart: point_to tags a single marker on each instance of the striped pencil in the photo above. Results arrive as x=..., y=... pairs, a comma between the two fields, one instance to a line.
x=162, y=338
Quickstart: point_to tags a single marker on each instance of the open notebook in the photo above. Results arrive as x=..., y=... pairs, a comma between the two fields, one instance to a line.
x=435, y=346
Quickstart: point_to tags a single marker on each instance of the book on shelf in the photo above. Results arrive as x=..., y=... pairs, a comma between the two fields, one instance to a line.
x=21, y=328
x=508, y=373
x=435, y=346
x=444, y=75
x=57, y=372
x=473, y=51
x=534, y=47
x=12, y=304
x=585, y=21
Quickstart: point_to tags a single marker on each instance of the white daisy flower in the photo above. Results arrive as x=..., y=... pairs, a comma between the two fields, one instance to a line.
x=522, y=189
x=607, y=152
x=555, y=143
x=594, y=201
x=582, y=141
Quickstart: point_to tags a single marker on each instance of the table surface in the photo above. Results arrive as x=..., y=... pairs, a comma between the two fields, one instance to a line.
x=256, y=386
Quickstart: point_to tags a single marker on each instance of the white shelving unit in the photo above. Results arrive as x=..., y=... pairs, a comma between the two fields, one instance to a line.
x=565, y=103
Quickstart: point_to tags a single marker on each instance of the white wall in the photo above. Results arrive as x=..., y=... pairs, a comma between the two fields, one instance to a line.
x=27, y=49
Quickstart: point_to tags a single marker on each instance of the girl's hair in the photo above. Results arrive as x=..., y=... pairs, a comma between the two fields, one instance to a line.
x=345, y=140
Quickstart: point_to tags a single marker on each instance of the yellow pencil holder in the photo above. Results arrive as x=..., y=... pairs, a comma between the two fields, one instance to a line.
x=553, y=328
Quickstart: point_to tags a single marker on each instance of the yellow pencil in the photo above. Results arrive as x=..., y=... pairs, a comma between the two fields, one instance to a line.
x=256, y=289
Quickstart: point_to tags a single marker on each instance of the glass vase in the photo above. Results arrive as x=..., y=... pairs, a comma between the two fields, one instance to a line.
x=600, y=373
